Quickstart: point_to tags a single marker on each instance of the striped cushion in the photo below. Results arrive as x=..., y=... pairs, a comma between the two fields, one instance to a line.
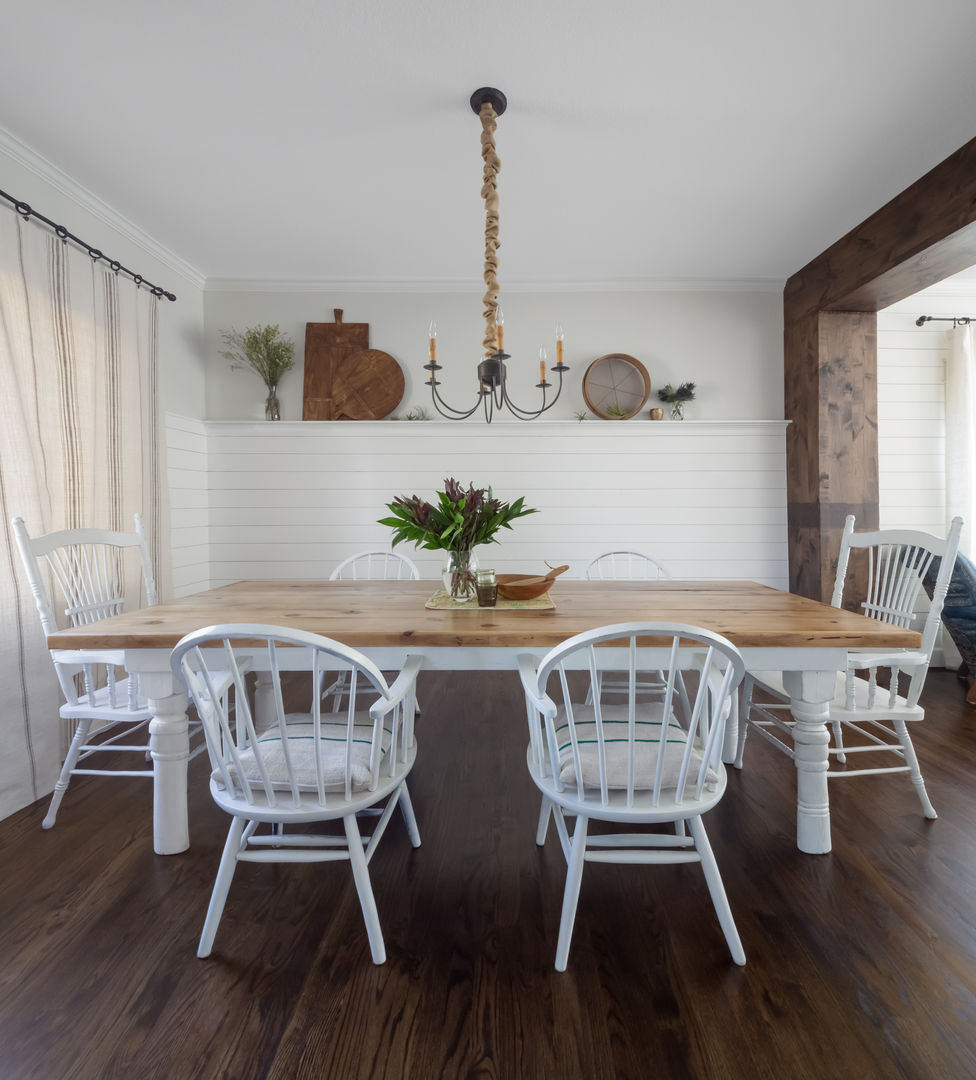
x=302, y=752
x=615, y=733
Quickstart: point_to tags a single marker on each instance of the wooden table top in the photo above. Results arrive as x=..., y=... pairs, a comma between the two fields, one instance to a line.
x=378, y=614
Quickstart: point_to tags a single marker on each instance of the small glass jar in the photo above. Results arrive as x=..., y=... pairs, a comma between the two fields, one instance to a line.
x=486, y=587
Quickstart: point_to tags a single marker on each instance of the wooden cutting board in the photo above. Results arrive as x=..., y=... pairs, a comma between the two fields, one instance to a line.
x=344, y=378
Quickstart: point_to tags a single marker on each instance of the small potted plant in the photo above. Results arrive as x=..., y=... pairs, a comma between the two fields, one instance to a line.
x=265, y=351
x=455, y=523
x=677, y=398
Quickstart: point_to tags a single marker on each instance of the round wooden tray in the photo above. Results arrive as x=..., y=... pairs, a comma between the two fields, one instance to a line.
x=616, y=386
x=367, y=385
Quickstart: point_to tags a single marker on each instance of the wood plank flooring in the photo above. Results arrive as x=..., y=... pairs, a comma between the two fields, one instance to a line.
x=861, y=963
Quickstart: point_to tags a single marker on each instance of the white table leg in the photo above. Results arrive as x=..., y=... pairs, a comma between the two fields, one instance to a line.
x=810, y=695
x=169, y=745
x=264, y=707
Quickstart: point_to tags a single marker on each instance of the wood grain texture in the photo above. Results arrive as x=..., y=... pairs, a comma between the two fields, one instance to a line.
x=832, y=449
x=327, y=346
x=861, y=963
x=924, y=234
x=392, y=613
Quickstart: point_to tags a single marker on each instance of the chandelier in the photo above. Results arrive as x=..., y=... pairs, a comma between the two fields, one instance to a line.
x=492, y=393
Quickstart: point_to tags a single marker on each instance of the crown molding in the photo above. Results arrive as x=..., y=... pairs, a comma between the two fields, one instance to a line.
x=764, y=285
x=47, y=171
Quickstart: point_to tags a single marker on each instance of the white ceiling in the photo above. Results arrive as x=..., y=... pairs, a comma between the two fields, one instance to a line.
x=645, y=139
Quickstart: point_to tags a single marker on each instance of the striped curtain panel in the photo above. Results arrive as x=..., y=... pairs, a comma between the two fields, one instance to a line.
x=960, y=430
x=79, y=447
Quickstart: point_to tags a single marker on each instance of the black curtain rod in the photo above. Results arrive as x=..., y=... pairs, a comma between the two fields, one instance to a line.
x=28, y=212
x=956, y=320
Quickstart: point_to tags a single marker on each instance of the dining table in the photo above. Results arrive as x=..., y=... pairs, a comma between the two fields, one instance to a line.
x=388, y=620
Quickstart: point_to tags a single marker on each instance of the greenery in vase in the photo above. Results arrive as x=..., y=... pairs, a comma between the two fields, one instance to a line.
x=685, y=392
x=457, y=520
x=261, y=349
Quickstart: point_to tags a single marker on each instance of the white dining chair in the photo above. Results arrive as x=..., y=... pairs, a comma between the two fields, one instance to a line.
x=90, y=568
x=376, y=566
x=866, y=719
x=306, y=767
x=625, y=566
x=634, y=762
x=367, y=566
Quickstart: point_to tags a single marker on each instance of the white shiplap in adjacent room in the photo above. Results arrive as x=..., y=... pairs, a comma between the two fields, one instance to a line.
x=911, y=414
x=292, y=499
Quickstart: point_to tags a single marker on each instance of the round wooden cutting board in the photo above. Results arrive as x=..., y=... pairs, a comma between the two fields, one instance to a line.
x=366, y=385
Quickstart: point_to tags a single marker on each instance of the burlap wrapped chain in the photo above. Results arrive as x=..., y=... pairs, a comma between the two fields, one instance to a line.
x=489, y=192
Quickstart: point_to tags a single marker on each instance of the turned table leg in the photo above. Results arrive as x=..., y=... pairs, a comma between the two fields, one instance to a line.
x=810, y=695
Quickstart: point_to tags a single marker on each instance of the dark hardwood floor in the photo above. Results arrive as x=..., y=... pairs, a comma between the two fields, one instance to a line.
x=861, y=963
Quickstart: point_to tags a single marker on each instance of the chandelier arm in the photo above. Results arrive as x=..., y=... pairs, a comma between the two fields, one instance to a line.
x=531, y=414
x=447, y=410
x=489, y=192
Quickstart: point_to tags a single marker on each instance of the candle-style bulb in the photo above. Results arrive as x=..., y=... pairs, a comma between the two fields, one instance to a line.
x=559, y=345
x=559, y=332
x=499, y=328
x=543, y=357
x=432, y=330
x=499, y=316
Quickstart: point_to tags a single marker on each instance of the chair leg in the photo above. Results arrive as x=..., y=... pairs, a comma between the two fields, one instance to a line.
x=717, y=890
x=364, y=889
x=745, y=710
x=82, y=729
x=574, y=877
x=542, y=829
x=225, y=875
x=901, y=730
x=409, y=818
x=839, y=742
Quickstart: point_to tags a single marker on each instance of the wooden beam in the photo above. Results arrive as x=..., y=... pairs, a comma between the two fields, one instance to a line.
x=923, y=235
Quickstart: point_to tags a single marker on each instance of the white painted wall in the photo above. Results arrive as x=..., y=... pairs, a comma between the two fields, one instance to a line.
x=292, y=499
x=36, y=181
x=726, y=337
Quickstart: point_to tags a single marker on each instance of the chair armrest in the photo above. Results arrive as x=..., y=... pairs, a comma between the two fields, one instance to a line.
x=528, y=672
x=903, y=661
x=404, y=682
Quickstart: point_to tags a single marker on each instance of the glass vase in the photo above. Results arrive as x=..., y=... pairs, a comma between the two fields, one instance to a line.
x=458, y=574
x=272, y=406
x=677, y=410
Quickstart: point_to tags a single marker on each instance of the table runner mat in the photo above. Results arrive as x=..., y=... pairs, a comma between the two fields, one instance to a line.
x=441, y=601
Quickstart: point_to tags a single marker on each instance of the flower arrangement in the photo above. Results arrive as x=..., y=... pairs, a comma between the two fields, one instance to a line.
x=457, y=521
x=677, y=398
x=265, y=351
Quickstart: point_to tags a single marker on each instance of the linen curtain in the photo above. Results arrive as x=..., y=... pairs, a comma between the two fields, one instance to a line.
x=79, y=447
x=960, y=389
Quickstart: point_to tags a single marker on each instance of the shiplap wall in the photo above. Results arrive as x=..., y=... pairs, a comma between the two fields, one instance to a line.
x=911, y=415
x=291, y=500
x=911, y=419
x=189, y=483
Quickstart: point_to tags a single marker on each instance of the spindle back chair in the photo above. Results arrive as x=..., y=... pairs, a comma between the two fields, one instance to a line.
x=637, y=762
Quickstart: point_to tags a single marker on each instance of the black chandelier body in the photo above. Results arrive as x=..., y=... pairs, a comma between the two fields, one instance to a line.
x=493, y=393
x=492, y=396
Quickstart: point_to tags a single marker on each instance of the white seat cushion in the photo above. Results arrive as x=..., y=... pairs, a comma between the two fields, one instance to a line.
x=615, y=732
x=302, y=752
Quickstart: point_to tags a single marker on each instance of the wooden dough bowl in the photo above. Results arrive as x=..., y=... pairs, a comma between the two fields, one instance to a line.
x=523, y=587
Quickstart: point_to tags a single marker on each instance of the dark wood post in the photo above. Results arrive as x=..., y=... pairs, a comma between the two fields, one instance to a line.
x=923, y=235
